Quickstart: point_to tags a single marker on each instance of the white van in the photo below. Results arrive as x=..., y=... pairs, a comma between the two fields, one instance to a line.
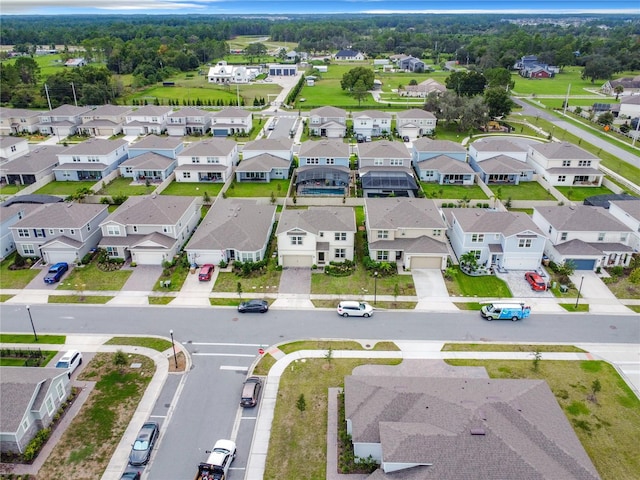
x=354, y=309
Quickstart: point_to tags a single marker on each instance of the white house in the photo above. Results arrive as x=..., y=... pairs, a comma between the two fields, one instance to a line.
x=9, y=216
x=223, y=73
x=563, y=163
x=628, y=212
x=231, y=121
x=18, y=120
x=92, y=159
x=415, y=122
x=12, y=147
x=106, y=120
x=328, y=122
x=62, y=121
x=372, y=123
x=629, y=106
x=146, y=120
x=188, y=121
x=209, y=160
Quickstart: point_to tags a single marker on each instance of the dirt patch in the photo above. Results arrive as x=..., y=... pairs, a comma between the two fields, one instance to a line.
x=181, y=363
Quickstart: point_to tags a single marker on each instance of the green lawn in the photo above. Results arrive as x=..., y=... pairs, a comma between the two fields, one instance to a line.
x=90, y=277
x=158, y=300
x=267, y=283
x=47, y=355
x=195, y=189
x=557, y=85
x=578, y=194
x=63, y=188
x=28, y=338
x=524, y=191
x=87, y=299
x=122, y=186
x=154, y=343
x=362, y=282
x=49, y=64
x=435, y=190
x=4, y=298
x=484, y=286
x=10, y=189
x=15, y=278
x=258, y=189
x=176, y=275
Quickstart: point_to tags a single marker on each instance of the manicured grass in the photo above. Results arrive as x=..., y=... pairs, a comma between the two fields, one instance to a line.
x=122, y=186
x=155, y=300
x=578, y=194
x=63, y=188
x=524, y=191
x=49, y=64
x=362, y=282
x=468, y=305
x=557, y=85
x=468, y=286
x=635, y=308
x=379, y=305
x=4, y=298
x=90, y=277
x=10, y=189
x=508, y=347
x=224, y=302
x=90, y=440
x=267, y=283
x=528, y=211
x=177, y=275
x=435, y=190
x=264, y=365
x=100, y=299
x=298, y=443
x=607, y=429
x=193, y=189
x=336, y=345
x=571, y=307
x=277, y=188
x=15, y=278
x=159, y=344
x=28, y=338
x=47, y=355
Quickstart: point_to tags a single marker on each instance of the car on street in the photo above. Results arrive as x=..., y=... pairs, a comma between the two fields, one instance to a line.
x=206, y=271
x=255, y=305
x=130, y=476
x=219, y=461
x=250, y=392
x=536, y=281
x=354, y=309
x=55, y=272
x=142, y=447
x=70, y=360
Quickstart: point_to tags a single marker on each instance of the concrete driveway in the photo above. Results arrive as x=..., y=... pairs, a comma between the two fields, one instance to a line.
x=136, y=289
x=431, y=290
x=596, y=293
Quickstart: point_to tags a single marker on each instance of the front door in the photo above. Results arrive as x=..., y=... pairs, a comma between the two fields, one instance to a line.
x=321, y=257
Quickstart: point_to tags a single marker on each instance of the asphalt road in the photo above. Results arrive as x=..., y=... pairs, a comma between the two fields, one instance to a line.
x=223, y=345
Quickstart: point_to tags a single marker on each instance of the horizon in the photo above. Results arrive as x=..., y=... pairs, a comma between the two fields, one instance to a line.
x=324, y=7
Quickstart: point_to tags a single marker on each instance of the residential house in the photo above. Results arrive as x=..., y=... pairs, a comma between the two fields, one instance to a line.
x=415, y=122
x=385, y=169
x=563, y=163
x=265, y=159
x=411, y=64
x=146, y=120
x=59, y=232
x=233, y=229
x=18, y=120
x=589, y=237
x=323, y=167
x=502, y=169
x=349, y=55
x=223, y=73
x=12, y=147
x=62, y=121
x=451, y=428
x=529, y=67
x=210, y=160
x=441, y=161
x=280, y=70
x=630, y=86
x=10, y=214
x=628, y=212
x=75, y=62
x=169, y=147
x=629, y=107
x=328, y=122
x=92, y=159
x=231, y=121
x=490, y=147
x=104, y=121
x=371, y=123
x=150, y=229
x=423, y=89
x=539, y=71
x=30, y=397
x=316, y=236
x=508, y=240
x=188, y=121
x=148, y=167
x=33, y=166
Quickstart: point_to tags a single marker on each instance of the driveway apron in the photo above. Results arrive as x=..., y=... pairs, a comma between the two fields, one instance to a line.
x=295, y=280
x=431, y=290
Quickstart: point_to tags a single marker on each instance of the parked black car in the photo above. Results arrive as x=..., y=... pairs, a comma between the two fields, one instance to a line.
x=255, y=305
x=141, y=450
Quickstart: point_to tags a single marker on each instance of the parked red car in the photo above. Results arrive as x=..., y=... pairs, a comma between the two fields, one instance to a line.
x=205, y=272
x=536, y=281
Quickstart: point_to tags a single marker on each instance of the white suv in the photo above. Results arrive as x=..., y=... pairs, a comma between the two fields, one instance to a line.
x=70, y=360
x=354, y=309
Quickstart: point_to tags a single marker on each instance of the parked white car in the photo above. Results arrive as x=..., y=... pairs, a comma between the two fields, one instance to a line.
x=70, y=360
x=354, y=309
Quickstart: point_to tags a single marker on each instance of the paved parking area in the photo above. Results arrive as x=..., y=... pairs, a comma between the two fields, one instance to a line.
x=143, y=278
x=295, y=280
x=519, y=286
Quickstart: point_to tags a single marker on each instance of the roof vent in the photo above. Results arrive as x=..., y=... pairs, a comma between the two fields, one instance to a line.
x=477, y=431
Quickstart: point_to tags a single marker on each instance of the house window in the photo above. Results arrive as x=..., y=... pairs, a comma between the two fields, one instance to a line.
x=437, y=232
x=135, y=228
x=566, y=163
x=213, y=160
x=296, y=240
x=340, y=253
x=112, y=251
x=383, y=234
x=477, y=237
x=75, y=158
x=72, y=231
x=27, y=249
x=51, y=231
x=25, y=424
x=378, y=162
x=476, y=253
x=321, y=234
x=23, y=233
x=340, y=236
x=623, y=237
x=584, y=163
x=113, y=230
x=562, y=178
x=331, y=161
x=128, y=170
x=524, y=243
x=50, y=407
x=60, y=390
x=382, y=255
x=195, y=159
x=396, y=162
x=61, y=230
x=563, y=236
x=313, y=161
x=13, y=148
x=167, y=229
x=39, y=233
x=601, y=237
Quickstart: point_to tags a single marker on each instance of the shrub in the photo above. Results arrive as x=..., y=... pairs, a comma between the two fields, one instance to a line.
x=19, y=261
x=222, y=264
x=33, y=448
x=617, y=270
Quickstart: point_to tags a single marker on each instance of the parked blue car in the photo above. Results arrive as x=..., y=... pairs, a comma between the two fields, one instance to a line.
x=55, y=272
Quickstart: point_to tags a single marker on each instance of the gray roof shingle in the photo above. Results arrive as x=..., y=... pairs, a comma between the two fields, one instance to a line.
x=96, y=146
x=581, y=218
x=318, y=219
x=475, y=220
x=61, y=215
x=383, y=149
x=151, y=210
x=426, y=144
x=210, y=147
x=393, y=213
x=324, y=148
x=563, y=151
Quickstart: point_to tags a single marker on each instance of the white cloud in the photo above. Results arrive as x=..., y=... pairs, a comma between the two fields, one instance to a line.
x=32, y=6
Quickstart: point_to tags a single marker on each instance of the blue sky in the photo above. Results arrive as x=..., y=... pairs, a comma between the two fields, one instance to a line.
x=52, y=7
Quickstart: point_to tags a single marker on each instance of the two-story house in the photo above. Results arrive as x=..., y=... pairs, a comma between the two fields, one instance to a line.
x=328, y=122
x=589, y=237
x=316, y=236
x=415, y=122
x=489, y=147
x=441, y=161
x=233, y=229
x=508, y=240
x=18, y=120
x=265, y=159
x=32, y=167
x=150, y=228
x=500, y=161
x=146, y=120
x=148, y=167
x=323, y=168
x=12, y=147
x=59, y=232
x=231, y=121
x=563, y=163
x=10, y=214
x=92, y=159
x=385, y=169
x=371, y=123
x=104, y=121
x=349, y=55
x=224, y=73
x=210, y=160
x=628, y=212
x=411, y=64
x=62, y=121
x=168, y=147
x=408, y=231
x=188, y=121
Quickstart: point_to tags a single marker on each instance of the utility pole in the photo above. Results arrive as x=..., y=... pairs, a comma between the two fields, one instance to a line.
x=46, y=90
x=566, y=101
x=75, y=99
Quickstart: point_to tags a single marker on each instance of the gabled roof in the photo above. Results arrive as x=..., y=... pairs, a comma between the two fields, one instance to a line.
x=383, y=149
x=446, y=164
x=632, y=207
x=232, y=112
x=19, y=112
x=476, y=220
x=394, y=213
x=238, y=223
x=347, y=53
x=148, y=161
x=8, y=141
x=415, y=113
x=150, y=210
x=61, y=215
x=108, y=111
x=215, y=146
x=497, y=144
x=151, y=142
x=190, y=112
x=562, y=151
x=327, y=112
x=426, y=144
x=96, y=146
x=269, y=144
x=630, y=100
x=151, y=111
x=371, y=114
x=324, y=148
x=38, y=159
x=66, y=111
x=265, y=162
x=318, y=219
x=421, y=245
x=503, y=164
x=581, y=218
x=577, y=247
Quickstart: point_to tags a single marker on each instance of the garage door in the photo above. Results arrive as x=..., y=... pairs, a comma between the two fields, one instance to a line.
x=583, y=264
x=55, y=257
x=297, y=261
x=426, y=262
x=147, y=258
x=220, y=132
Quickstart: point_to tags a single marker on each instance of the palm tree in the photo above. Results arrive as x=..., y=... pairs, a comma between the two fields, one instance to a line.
x=618, y=89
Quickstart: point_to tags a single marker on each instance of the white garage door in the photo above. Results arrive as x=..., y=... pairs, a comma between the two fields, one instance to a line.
x=297, y=261
x=57, y=256
x=426, y=262
x=514, y=263
x=147, y=258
